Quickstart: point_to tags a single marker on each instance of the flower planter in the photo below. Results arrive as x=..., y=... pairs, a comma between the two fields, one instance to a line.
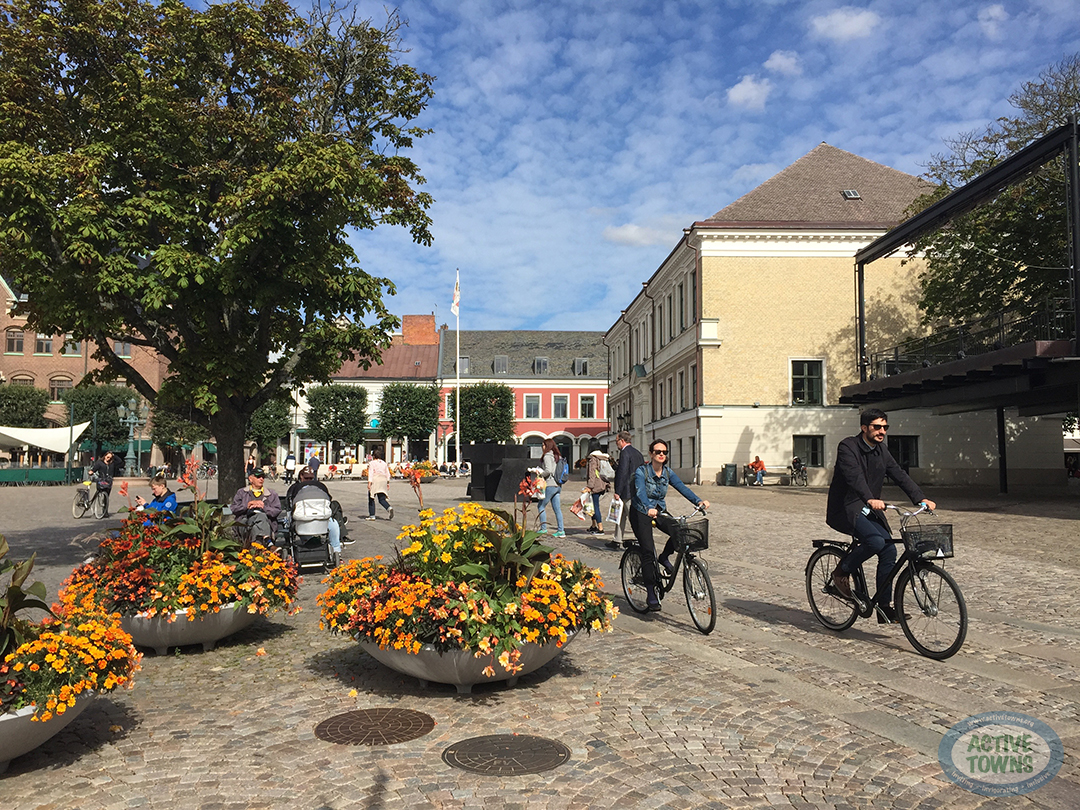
x=461, y=667
x=160, y=634
x=19, y=734
x=426, y=479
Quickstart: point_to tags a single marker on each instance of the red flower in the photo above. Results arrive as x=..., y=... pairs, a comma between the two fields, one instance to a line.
x=123, y=489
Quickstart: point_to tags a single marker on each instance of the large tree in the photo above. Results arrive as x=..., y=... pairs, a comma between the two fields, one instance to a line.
x=187, y=180
x=337, y=412
x=168, y=428
x=98, y=404
x=23, y=406
x=487, y=412
x=1013, y=251
x=408, y=410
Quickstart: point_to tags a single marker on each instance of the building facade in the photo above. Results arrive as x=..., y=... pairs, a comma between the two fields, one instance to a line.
x=739, y=343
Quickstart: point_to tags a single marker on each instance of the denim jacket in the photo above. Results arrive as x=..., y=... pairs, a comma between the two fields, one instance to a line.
x=650, y=490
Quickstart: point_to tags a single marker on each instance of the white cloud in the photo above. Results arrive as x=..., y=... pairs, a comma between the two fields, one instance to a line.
x=845, y=23
x=990, y=19
x=639, y=235
x=751, y=93
x=786, y=63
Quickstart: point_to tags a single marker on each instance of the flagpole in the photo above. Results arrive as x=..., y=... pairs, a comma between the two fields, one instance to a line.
x=457, y=369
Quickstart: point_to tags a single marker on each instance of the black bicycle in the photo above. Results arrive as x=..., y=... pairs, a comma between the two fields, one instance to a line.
x=692, y=536
x=89, y=495
x=797, y=473
x=928, y=603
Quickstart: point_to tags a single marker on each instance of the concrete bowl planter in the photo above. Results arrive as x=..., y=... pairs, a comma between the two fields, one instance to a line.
x=461, y=667
x=19, y=734
x=158, y=633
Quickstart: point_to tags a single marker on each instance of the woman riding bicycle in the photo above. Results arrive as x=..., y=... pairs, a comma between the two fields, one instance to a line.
x=651, y=482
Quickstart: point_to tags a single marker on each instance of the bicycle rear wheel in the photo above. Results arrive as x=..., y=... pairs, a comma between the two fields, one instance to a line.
x=800, y=477
x=98, y=504
x=831, y=610
x=931, y=610
x=633, y=580
x=700, y=598
x=79, y=505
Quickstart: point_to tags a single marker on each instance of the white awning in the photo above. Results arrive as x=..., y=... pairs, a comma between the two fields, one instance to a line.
x=56, y=440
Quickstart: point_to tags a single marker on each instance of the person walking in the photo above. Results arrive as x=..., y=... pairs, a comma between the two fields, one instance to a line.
x=651, y=483
x=855, y=506
x=314, y=461
x=290, y=467
x=597, y=486
x=549, y=464
x=378, y=485
x=630, y=459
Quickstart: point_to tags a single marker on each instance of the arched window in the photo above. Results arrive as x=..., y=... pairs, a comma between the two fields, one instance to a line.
x=23, y=380
x=57, y=387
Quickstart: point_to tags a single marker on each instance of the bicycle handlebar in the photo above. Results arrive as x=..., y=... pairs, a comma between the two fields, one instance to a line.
x=922, y=508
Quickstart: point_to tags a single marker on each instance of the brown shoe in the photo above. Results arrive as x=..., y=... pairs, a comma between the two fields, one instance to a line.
x=842, y=584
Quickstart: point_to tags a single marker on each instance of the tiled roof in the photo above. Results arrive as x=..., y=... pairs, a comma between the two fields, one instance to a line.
x=400, y=361
x=810, y=191
x=521, y=348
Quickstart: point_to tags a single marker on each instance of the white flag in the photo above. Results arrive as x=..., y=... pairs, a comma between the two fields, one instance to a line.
x=457, y=296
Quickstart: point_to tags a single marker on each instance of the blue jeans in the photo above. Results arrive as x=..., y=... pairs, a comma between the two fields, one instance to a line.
x=333, y=533
x=760, y=477
x=382, y=500
x=551, y=495
x=873, y=539
x=596, y=509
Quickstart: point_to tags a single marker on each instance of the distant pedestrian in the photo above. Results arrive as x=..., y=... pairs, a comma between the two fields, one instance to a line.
x=597, y=486
x=314, y=461
x=630, y=459
x=290, y=467
x=550, y=464
x=378, y=485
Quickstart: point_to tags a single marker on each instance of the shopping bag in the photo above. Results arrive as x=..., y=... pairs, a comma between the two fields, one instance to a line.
x=614, y=512
x=580, y=505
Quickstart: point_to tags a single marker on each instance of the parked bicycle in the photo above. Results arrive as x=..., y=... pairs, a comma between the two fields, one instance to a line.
x=90, y=496
x=797, y=472
x=206, y=470
x=928, y=603
x=693, y=535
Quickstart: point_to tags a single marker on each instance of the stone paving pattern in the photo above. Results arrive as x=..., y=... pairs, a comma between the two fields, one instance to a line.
x=770, y=710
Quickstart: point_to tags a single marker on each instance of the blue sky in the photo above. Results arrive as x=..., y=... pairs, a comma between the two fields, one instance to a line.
x=573, y=141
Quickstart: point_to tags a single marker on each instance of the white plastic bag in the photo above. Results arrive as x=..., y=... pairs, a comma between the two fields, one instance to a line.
x=614, y=512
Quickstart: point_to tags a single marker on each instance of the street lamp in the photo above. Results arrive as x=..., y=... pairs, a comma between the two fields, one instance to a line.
x=131, y=414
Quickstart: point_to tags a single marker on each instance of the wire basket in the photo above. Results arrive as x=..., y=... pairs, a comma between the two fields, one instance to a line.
x=931, y=542
x=694, y=533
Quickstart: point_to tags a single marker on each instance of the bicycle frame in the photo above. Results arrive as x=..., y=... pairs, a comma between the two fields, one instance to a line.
x=865, y=605
x=664, y=581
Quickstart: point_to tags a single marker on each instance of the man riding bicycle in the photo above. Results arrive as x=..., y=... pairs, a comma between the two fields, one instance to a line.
x=855, y=506
x=650, y=490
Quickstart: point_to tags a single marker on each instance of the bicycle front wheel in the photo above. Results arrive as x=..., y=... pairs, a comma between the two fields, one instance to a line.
x=800, y=478
x=99, y=505
x=79, y=505
x=700, y=598
x=931, y=610
x=633, y=580
x=831, y=610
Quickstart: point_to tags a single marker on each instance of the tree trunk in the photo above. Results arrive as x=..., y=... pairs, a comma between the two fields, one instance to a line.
x=229, y=427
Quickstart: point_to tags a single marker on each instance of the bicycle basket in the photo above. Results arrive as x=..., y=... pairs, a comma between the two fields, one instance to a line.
x=694, y=533
x=931, y=542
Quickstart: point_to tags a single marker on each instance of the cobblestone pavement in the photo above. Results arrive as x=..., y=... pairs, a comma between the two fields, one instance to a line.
x=770, y=710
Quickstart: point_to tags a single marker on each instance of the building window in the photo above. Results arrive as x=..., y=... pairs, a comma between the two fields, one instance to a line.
x=678, y=443
x=14, y=341
x=43, y=345
x=810, y=449
x=57, y=387
x=588, y=406
x=693, y=452
x=29, y=381
x=72, y=347
x=463, y=365
x=660, y=324
x=660, y=398
x=693, y=386
x=682, y=308
x=682, y=390
x=581, y=366
x=693, y=298
x=806, y=382
x=670, y=318
x=501, y=364
x=532, y=406
x=670, y=395
x=122, y=348
x=560, y=406
x=905, y=449
x=540, y=365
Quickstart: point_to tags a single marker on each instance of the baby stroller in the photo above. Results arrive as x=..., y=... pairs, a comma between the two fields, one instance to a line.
x=305, y=536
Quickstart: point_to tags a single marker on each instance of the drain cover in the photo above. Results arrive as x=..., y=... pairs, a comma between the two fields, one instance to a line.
x=374, y=727
x=506, y=754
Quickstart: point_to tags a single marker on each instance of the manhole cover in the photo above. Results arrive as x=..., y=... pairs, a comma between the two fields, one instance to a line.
x=374, y=727
x=506, y=754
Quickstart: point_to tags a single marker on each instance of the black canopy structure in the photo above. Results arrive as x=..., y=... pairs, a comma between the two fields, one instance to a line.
x=1035, y=369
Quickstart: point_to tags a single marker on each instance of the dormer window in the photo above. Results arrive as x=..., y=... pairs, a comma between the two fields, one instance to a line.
x=851, y=194
x=463, y=365
x=540, y=365
x=501, y=364
x=581, y=367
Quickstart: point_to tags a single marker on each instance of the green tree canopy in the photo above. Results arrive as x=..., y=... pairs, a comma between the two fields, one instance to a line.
x=187, y=180
x=85, y=401
x=337, y=412
x=168, y=428
x=487, y=412
x=23, y=406
x=269, y=424
x=408, y=410
x=1013, y=251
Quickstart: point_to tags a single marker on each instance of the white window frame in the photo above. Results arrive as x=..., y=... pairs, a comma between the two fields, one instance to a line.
x=566, y=402
x=525, y=406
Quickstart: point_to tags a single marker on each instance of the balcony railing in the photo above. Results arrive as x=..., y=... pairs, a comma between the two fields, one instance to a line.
x=1053, y=321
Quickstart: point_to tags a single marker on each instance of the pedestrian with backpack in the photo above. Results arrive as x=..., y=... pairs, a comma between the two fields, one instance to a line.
x=598, y=476
x=556, y=472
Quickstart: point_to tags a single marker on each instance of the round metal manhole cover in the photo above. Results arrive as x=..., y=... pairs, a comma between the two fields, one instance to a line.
x=374, y=727
x=506, y=754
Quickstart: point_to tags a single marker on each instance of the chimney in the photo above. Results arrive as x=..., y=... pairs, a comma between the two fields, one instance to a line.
x=419, y=330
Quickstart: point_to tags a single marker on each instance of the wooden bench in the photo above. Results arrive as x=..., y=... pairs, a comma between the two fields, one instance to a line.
x=769, y=477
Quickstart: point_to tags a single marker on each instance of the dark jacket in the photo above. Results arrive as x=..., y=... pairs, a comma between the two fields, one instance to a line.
x=858, y=477
x=270, y=499
x=630, y=459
